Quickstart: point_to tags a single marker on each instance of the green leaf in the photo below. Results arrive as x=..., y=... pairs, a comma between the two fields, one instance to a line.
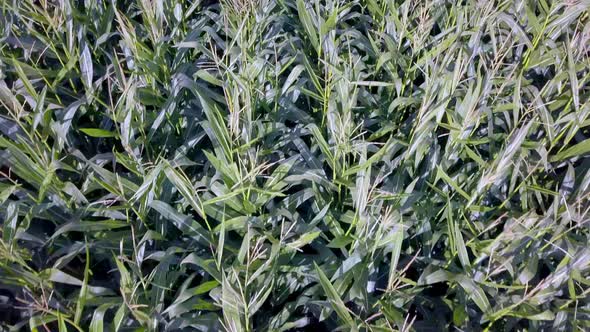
x=99, y=133
x=86, y=68
x=89, y=227
x=579, y=149
x=206, y=264
x=185, y=223
x=96, y=325
x=475, y=293
x=396, y=242
x=335, y=299
x=308, y=25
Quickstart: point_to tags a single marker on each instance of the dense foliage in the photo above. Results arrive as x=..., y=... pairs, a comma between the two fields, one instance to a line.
x=267, y=165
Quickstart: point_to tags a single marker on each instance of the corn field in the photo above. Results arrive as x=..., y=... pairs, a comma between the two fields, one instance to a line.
x=294, y=165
